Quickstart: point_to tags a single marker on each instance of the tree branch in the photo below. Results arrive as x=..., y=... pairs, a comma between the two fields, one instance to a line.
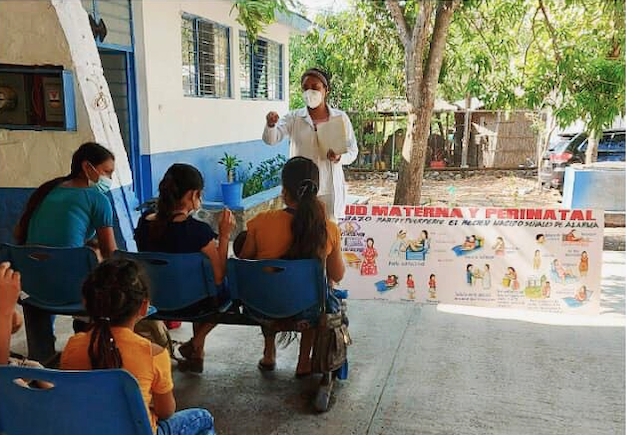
x=397, y=14
x=557, y=52
x=420, y=33
x=445, y=11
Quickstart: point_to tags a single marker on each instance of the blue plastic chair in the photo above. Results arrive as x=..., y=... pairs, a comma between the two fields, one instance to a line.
x=277, y=288
x=52, y=277
x=99, y=402
x=177, y=281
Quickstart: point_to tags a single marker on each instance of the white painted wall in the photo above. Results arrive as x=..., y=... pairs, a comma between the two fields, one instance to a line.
x=170, y=121
x=36, y=32
x=30, y=35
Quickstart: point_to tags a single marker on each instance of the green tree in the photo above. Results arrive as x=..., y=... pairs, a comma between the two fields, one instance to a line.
x=361, y=56
x=423, y=30
x=255, y=15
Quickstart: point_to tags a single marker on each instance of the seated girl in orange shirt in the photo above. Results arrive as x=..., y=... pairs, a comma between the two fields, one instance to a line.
x=297, y=232
x=116, y=297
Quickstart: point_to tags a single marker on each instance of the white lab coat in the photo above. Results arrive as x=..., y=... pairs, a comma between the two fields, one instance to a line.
x=299, y=126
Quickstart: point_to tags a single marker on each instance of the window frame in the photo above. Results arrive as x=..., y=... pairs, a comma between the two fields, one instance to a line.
x=195, y=20
x=281, y=61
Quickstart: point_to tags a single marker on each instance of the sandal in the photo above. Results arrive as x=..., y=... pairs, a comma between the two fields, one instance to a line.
x=264, y=367
x=191, y=362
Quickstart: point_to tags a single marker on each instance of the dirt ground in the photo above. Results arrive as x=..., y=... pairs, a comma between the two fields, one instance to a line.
x=477, y=190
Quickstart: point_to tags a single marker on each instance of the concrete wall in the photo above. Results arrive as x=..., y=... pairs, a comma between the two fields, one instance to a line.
x=57, y=32
x=178, y=128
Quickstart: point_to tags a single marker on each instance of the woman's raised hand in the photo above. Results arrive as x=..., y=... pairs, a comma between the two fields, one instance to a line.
x=272, y=119
x=227, y=222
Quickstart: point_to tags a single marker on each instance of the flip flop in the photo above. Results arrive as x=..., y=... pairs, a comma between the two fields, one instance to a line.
x=266, y=367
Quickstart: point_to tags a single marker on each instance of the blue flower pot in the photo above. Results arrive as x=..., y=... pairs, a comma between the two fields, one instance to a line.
x=231, y=194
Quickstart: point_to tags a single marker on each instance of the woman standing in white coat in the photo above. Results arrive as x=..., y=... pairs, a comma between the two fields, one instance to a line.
x=301, y=126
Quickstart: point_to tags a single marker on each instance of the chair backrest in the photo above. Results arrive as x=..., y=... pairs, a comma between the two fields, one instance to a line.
x=176, y=280
x=53, y=276
x=277, y=288
x=99, y=402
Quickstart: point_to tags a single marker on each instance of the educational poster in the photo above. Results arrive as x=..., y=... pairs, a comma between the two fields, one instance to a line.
x=536, y=259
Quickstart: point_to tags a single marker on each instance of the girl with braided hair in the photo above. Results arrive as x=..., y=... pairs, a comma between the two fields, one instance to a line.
x=299, y=231
x=116, y=297
x=174, y=230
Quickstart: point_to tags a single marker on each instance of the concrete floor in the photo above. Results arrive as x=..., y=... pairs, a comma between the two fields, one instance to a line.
x=428, y=370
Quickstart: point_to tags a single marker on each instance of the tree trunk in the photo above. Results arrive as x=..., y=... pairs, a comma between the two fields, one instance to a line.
x=411, y=174
x=591, y=153
x=421, y=87
x=467, y=130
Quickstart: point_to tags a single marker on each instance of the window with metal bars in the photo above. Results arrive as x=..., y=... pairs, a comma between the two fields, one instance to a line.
x=206, y=58
x=261, y=69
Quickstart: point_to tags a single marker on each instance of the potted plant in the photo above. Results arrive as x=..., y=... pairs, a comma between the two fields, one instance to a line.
x=231, y=190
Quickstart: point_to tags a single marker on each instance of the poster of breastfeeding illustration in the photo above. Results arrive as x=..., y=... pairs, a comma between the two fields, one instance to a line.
x=536, y=259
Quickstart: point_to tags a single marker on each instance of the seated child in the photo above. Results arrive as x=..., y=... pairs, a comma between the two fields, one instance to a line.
x=116, y=297
x=173, y=229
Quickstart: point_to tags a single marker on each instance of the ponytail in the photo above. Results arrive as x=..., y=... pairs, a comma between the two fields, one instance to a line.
x=21, y=229
x=179, y=179
x=91, y=152
x=300, y=179
x=113, y=295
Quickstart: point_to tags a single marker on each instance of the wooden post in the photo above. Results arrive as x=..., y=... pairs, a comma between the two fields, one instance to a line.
x=466, y=132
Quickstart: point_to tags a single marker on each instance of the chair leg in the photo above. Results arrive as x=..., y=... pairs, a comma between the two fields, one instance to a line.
x=39, y=333
x=322, y=400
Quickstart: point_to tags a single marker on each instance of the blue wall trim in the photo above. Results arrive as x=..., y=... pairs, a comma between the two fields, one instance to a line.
x=206, y=160
x=12, y=204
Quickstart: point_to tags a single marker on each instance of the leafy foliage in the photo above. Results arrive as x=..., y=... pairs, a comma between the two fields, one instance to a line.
x=361, y=55
x=230, y=163
x=265, y=176
x=255, y=15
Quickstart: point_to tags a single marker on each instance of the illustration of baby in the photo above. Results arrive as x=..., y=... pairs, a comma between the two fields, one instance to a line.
x=368, y=266
x=432, y=287
x=583, y=266
x=499, y=246
x=398, y=247
x=540, y=238
x=410, y=286
x=545, y=289
x=537, y=260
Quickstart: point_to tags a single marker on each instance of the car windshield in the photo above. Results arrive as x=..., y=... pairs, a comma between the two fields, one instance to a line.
x=560, y=146
x=612, y=144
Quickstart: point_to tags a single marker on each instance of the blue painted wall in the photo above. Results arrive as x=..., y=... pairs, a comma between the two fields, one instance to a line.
x=206, y=160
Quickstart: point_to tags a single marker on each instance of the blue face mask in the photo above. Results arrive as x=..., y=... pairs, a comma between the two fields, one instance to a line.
x=103, y=184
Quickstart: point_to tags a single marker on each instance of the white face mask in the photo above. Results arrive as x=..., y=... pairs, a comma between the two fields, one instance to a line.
x=312, y=98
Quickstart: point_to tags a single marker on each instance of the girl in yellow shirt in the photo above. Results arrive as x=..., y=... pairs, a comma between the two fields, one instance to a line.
x=116, y=297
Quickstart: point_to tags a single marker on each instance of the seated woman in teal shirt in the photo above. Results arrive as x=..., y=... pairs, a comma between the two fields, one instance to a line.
x=67, y=212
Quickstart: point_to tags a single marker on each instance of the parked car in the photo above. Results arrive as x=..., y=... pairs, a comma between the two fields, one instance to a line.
x=611, y=148
x=546, y=172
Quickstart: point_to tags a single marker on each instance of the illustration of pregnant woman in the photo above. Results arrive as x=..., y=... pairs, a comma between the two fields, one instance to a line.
x=368, y=266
